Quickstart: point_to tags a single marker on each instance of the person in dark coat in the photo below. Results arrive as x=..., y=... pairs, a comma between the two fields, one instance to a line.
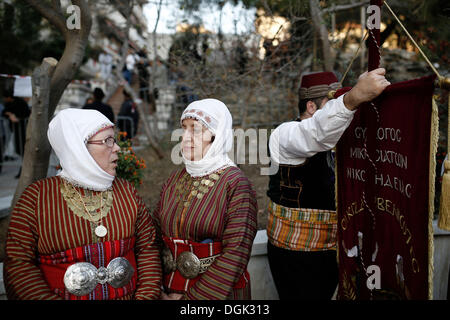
x=98, y=105
x=17, y=111
x=128, y=116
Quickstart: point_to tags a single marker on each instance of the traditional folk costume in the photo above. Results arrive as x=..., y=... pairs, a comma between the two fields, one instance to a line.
x=302, y=213
x=83, y=234
x=207, y=216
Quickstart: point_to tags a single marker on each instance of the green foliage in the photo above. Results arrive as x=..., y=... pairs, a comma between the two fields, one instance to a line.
x=26, y=38
x=431, y=22
x=129, y=167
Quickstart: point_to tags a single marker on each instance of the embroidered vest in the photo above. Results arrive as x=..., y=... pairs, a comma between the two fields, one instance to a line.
x=309, y=185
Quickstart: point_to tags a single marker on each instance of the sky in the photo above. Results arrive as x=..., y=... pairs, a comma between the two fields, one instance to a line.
x=210, y=15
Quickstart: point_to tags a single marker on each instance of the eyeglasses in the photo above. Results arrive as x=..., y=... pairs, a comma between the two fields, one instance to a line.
x=109, y=142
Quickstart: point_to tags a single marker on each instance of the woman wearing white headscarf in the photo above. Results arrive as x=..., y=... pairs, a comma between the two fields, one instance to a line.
x=82, y=234
x=207, y=212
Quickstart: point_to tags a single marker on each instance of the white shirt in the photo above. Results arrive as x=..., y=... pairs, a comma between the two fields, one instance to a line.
x=293, y=142
x=130, y=61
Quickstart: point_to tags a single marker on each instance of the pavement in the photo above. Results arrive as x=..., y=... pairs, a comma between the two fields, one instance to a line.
x=8, y=184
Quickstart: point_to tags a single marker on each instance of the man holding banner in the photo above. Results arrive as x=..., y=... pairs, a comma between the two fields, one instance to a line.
x=302, y=211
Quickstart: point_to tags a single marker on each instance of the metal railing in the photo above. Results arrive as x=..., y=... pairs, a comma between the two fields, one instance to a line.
x=124, y=123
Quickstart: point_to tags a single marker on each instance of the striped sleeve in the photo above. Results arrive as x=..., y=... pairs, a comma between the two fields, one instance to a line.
x=147, y=255
x=23, y=278
x=155, y=215
x=237, y=239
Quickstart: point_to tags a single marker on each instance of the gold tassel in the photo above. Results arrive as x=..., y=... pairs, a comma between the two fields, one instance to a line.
x=444, y=208
x=434, y=137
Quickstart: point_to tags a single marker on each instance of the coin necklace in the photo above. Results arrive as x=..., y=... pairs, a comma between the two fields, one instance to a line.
x=197, y=187
x=189, y=188
x=100, y=230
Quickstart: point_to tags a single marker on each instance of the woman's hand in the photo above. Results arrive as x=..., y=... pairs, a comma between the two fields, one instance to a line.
x=171, y=296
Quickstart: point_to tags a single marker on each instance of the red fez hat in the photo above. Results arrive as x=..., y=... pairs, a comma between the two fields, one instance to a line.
x=318, y=84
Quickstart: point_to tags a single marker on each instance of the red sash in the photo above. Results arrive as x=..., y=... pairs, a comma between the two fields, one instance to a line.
x=175, y=282
x=54, y=266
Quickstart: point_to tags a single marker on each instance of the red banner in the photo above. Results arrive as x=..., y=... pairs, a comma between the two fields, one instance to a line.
x=383, y=195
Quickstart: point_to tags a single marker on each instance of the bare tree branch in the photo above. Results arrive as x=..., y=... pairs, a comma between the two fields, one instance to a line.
x=319, y=25
x=56, y=5
x=54, y=17
x=76, y=41
x=155, y=66
x=343, y=7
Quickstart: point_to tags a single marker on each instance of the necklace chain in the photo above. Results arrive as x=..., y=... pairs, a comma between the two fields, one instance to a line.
x=81, y=209
x=189, y=188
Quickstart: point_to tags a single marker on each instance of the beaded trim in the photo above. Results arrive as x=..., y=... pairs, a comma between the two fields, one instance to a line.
x=207, y=120
x=190, y=187
x=97, y=130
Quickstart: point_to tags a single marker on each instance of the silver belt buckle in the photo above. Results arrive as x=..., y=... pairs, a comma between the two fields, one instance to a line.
x=82, y=277
x=187, y=263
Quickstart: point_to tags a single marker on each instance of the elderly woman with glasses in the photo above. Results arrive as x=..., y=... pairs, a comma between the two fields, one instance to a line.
x=207, y=212
x=83, y=234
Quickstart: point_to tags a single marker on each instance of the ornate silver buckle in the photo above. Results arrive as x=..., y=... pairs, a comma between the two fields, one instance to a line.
x=82, y=277
x=189, y=265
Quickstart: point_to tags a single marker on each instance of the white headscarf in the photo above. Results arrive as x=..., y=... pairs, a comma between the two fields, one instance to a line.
x=215, y=116
x=68, y=133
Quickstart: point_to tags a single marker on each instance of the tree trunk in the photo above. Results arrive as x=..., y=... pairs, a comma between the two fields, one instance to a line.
x=37, y=152
x=37, y=147
x=319, y=25
x=155, y=48
x=76, y=41
x=66, y=69
x=152, y=84
x=59, y=75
